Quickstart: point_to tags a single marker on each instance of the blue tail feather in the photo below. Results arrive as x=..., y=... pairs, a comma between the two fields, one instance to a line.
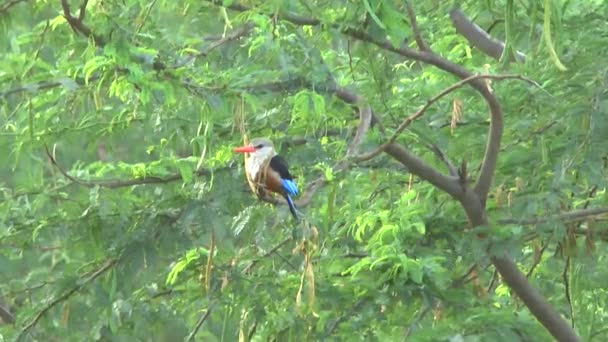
x=292, y=206
x=290, y=186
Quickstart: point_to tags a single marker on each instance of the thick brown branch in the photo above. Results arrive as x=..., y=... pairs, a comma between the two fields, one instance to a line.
x=490, y=159
x=423, y=170
x=478, y=37
x=536, y=303
x=105, y=267
x=76, y=23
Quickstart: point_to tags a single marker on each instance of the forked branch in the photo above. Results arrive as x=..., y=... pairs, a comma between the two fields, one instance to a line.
x=77, y=24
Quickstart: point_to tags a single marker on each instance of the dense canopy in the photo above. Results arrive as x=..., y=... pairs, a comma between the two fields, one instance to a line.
x=451, y=158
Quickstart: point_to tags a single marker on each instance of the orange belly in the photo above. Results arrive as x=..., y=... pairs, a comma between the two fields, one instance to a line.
x=274, y=182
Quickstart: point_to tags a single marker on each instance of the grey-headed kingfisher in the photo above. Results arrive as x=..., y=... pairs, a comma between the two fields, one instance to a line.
x=266, y=170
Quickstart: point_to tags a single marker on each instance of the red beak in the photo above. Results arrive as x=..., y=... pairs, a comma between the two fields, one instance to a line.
x=245, y=149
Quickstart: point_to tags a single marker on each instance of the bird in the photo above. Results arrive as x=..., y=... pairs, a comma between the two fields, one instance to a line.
x=267, y=171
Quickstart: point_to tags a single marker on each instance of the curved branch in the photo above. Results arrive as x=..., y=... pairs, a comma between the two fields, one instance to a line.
x=430, y=102
x=496, y=116
x=478, y=37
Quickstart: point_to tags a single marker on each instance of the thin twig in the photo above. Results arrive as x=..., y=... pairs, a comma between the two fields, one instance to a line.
x=267, y=254
x=430, y=102
x=5, y=7
x=119, y=183
x=417, y=35
x=236, y=34
x=106, y=266
x=537, y=262
x=576, y=215
x=198, y=325
x=567, y=289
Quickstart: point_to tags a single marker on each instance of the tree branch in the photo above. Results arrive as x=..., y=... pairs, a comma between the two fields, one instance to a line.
x=496, y=116
x=77, y=24
x=234, y=35
x=106, y=266
x=473, y=201
x=119, y=183
x=5, y=314
x=572, y=216
x=7, y=5
x=417, y=35
x=536, y=303
x=429, y=103
x=478, y=37
x=419, y=167
x=199, y=324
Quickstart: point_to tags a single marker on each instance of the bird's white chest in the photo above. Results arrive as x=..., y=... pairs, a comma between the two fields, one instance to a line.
x=256, y=165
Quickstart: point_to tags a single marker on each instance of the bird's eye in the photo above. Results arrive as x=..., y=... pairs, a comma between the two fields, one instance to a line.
x=259, y=146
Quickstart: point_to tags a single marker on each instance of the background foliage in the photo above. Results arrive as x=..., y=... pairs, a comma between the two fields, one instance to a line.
x=155, y=236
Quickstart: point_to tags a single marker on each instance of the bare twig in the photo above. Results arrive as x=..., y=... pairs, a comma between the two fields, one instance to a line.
x=105, y=267
x=463, y=278
x=236, y=34
x=537, y=262
x=267, y=254
x=417, y=35
x=572, y=216
x=335, y=323
x=411, y=327
x=198, y=325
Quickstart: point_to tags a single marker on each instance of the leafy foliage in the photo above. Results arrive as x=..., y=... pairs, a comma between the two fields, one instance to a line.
x=152, y=234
